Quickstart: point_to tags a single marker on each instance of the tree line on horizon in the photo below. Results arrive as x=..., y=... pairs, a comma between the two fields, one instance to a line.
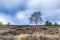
x=35, y=18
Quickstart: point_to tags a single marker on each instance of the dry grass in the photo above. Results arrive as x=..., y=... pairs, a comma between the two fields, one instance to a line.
x=30, y=33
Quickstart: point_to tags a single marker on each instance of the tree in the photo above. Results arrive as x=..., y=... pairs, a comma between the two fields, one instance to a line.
x=35, y=18
x=50, y=23
x=1, y=24
x=8, y=23
x=47, y=23
x=55, y=23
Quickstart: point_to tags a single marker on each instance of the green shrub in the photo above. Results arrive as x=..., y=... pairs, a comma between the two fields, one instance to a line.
x=47, y=23
x=1, y=24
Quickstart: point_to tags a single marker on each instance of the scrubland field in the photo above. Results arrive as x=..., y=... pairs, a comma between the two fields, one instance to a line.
x=29, y=33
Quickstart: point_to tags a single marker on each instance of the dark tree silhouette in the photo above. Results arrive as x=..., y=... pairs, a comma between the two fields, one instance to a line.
x=35, y=18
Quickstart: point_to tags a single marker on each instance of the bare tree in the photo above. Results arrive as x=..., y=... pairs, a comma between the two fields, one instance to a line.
x=35, y=18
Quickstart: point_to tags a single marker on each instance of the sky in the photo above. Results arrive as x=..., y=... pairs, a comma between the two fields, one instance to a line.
x=17, y=12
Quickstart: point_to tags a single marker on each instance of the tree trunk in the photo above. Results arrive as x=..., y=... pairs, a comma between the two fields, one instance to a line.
x=36, y=24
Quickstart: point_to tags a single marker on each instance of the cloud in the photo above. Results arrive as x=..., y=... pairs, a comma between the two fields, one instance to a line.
x=20, y=15
x=48, y=8
x=41, y=4
x=11, y=3
x=20, y=10
x=52, y=15
x=5, y=18
x=12, y=6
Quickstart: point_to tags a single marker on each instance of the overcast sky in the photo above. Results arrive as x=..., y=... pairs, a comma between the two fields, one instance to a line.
x=17, y=12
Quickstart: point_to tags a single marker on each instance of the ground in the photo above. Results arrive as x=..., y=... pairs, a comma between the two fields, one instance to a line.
x=35, y=33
